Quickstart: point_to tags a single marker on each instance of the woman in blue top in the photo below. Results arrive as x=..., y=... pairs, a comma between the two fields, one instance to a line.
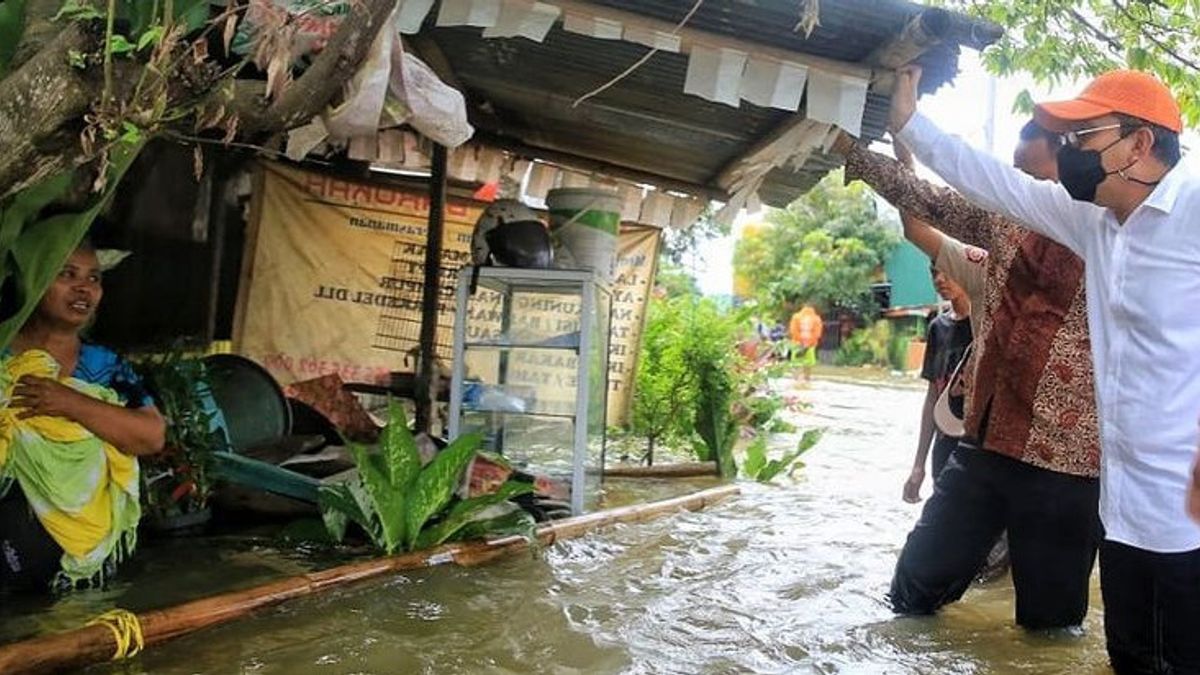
x=29, y=557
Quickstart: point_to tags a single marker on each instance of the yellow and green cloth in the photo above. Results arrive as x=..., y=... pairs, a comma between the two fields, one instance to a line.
x=82, y=489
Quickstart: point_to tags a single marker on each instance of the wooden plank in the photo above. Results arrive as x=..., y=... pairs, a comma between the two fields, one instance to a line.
x=96, y=644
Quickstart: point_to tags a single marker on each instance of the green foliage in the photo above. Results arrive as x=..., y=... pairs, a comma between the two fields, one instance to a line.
x=687, y=375
x=714, y=421
x=464, y=512
x=33, y=249
x=867, y=346
x=825, y=249
x=678, y=243
x=12, y=24
x=664, y=386
x=402, y=506
x=675, y=281
x=178, y=480
x=79, y=10
x=436, y=483
x=758, y=467
x=1055, y=40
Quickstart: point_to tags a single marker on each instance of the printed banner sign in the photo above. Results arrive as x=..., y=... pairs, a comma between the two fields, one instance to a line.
x=337, y=271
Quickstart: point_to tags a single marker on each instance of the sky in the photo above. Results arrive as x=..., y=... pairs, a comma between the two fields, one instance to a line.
x=959, y=108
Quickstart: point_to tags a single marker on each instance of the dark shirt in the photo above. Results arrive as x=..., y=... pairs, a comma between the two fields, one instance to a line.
x=946, y=342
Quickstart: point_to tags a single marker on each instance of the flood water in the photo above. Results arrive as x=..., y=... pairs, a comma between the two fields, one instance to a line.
x=786, y=578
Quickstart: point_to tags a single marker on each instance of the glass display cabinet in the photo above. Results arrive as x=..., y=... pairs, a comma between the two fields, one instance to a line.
x=530, y=371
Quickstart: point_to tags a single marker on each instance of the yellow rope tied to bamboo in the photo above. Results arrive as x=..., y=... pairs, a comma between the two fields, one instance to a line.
x=126, y=630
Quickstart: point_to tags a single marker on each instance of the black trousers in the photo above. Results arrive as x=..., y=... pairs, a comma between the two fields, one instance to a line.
x=1053, y=531
x=943, y=447
x=1151, y=610
x=29, y=556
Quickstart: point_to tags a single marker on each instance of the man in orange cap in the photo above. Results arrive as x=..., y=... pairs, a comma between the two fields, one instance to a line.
x=1133, y=215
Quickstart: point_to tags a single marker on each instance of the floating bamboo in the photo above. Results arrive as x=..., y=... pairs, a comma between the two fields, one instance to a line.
x=676, y=470
x=95, y=644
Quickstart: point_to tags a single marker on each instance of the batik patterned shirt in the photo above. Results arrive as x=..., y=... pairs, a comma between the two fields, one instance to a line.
x=1030, y=372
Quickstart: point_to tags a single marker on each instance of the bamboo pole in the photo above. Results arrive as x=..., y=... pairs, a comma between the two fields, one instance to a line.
x=95, y=644
x=676, y=470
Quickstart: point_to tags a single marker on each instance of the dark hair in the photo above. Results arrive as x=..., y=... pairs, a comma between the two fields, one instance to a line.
x=1032, y=131
x=1166, y=142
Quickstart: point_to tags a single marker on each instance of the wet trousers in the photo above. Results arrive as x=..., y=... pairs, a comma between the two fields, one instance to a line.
x=1053, y=532
x=1151, y=610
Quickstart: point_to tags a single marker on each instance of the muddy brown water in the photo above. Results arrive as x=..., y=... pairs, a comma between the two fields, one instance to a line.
x=786, y=578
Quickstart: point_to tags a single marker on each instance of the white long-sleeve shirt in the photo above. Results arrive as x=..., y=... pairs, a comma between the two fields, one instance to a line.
x=1143, y=294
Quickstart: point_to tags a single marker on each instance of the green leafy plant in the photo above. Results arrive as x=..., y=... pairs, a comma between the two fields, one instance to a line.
x=870, y=346
x=689, y=376
x=664, y=386
x=762, y=469
x=1056, y=41
x=178, y=480
x=715, y=423
x=402, y=505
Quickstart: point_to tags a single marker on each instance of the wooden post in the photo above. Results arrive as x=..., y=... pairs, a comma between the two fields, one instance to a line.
x=431, y=297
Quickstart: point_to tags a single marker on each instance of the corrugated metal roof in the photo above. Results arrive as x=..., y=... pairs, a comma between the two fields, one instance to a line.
x=523, y=91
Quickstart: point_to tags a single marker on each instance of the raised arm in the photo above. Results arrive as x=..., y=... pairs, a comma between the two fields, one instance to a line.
x=921, y=202
x=985, y=180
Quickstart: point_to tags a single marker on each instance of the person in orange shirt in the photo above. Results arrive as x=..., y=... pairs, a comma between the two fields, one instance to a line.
x=805, y=329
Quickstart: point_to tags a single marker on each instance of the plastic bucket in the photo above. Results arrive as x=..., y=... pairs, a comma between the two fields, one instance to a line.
x=584, y=223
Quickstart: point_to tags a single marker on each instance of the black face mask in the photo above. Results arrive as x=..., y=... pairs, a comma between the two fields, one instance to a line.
x=1081, y=171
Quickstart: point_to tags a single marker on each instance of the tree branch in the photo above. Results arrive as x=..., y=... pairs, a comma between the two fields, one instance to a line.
x=39, y=29
x=1113, y=44
x=1157, y=42
x=38, y=103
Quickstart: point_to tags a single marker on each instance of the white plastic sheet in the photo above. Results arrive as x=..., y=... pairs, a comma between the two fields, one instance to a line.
x=715, y=74
x=479, y=13
x=524, y=18
x=837, y=99
x=437, y=110
x=774, y=84
x=359, y=112
x=412, y=15
x=656, y=39
x=592, y=26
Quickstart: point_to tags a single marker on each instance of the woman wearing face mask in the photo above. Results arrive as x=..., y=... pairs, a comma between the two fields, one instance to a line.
x=74, y=419
x=1129, y=210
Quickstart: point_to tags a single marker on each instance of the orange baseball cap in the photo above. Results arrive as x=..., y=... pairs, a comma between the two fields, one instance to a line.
x=1129, y=92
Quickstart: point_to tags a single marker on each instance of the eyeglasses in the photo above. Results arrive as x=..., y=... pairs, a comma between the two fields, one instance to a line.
x=1075, y=138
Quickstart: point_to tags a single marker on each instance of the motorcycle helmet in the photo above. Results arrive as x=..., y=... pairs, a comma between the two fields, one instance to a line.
x=510, y=234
